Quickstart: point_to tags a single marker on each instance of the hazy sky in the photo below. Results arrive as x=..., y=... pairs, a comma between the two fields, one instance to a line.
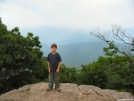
x=70, y=14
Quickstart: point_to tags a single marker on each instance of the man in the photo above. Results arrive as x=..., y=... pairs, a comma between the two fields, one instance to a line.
x=54, y=60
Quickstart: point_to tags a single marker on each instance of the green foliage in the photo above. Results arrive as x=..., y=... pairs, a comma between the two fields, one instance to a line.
x=107, y=72
x=21, y=60
x=94, y=75
x=120, y=69
x=67, y=74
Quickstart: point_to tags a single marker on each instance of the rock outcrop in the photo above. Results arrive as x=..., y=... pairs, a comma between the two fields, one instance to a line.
x=70, y=92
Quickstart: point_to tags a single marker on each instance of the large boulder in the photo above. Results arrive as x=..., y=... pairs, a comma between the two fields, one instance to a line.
x=70, y=92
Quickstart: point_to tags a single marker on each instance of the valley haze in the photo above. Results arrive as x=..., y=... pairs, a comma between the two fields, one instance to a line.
x=75, y=46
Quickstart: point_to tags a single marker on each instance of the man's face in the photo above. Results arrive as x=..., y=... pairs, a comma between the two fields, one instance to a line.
x=53, y=49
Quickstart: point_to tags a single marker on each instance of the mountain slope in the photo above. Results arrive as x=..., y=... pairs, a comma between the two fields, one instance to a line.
x=75, y=54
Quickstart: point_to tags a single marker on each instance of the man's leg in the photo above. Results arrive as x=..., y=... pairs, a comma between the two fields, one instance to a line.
x=57, y=81
x=51, y=80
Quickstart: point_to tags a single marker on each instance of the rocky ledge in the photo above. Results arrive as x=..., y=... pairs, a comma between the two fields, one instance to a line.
x=70, y=92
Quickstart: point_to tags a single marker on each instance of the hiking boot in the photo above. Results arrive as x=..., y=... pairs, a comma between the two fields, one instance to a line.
x=58, y=89
x=48, y=89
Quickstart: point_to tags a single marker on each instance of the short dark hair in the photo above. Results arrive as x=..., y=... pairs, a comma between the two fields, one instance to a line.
x=54, y=45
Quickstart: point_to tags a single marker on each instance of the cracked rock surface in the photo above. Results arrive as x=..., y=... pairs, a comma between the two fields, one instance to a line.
x=70, y=92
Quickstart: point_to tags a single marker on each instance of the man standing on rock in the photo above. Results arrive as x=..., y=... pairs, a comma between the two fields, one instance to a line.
x=54, y=60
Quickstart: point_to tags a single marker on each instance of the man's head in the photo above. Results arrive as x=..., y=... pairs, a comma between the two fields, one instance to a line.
x=53, y=47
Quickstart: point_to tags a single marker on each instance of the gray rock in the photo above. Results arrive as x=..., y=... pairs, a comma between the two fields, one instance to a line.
x=70, y=92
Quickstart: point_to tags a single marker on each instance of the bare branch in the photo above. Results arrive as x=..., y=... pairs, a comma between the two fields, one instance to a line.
x=119, y=34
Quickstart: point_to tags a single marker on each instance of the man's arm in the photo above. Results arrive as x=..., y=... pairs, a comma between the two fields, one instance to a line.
x=58, y=69
x=49, y=67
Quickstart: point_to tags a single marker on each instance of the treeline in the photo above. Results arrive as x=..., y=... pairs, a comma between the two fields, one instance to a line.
x=115, y=73
x=22, y=62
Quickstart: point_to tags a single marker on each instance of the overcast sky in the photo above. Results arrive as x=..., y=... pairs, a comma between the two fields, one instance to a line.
x=71, y=14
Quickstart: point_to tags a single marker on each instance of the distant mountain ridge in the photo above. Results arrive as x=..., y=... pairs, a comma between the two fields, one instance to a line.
x=63, y=36
x=75, y=54
x=60, y=36
x=75, y=46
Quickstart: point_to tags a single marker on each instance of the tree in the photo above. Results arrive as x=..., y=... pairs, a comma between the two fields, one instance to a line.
x=21, y=60
x=67, y=74
x=127, y=50
x=119, y=34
